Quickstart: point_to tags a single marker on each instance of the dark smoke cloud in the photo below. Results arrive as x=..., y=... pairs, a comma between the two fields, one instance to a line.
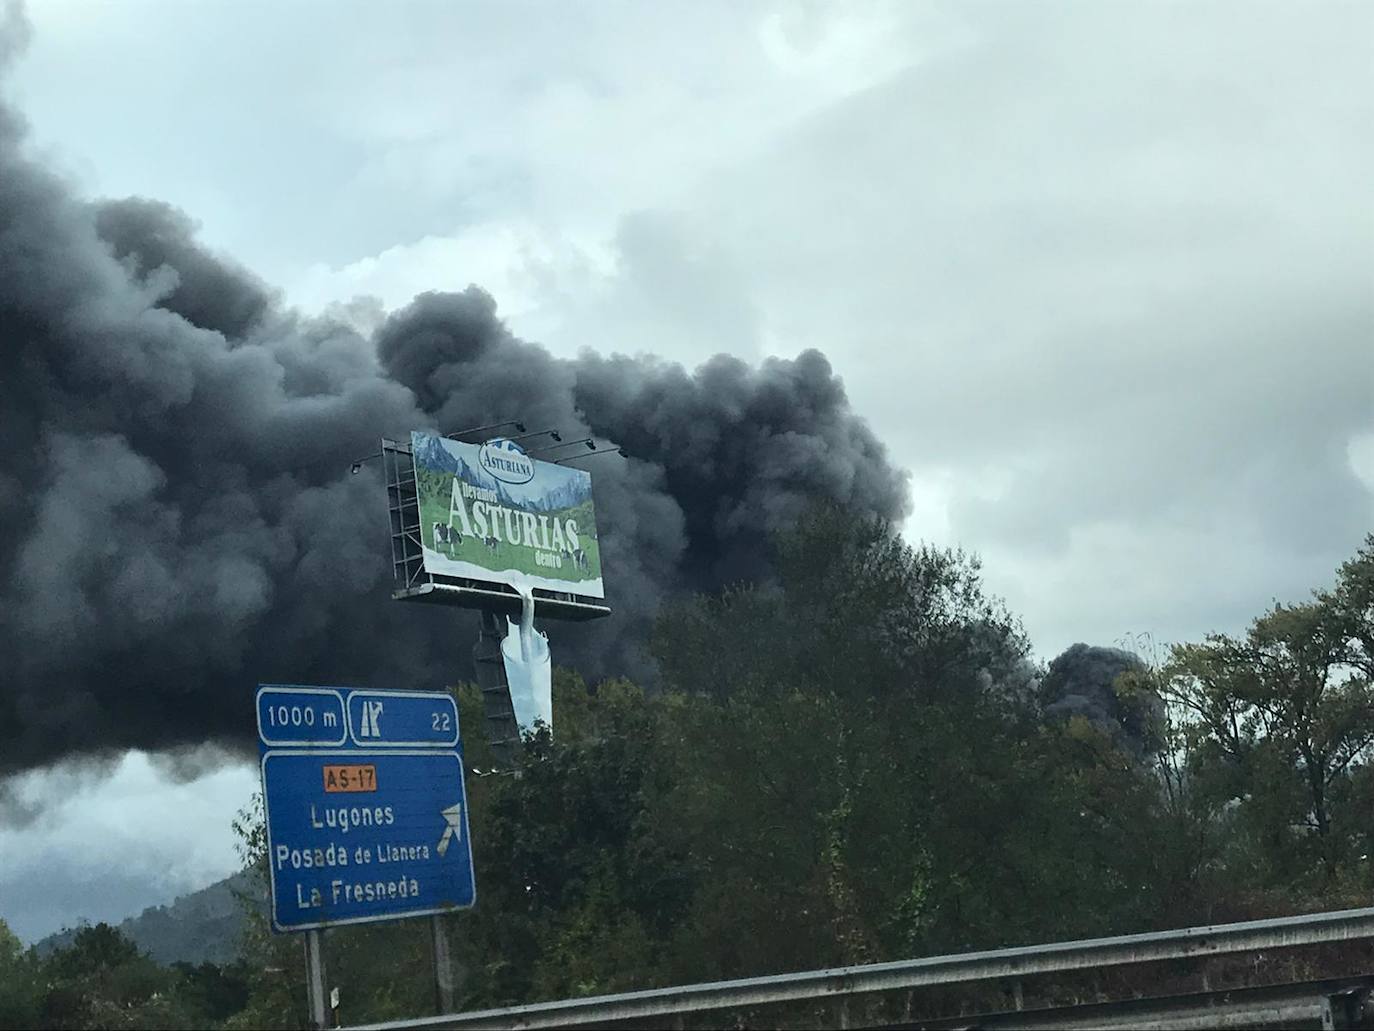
x=210, y=292
x=1082, y=681
x=179, y=520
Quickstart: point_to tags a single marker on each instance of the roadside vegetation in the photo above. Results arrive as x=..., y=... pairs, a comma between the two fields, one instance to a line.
x=858, y=762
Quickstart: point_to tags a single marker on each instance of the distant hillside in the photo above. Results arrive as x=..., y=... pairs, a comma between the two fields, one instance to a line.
x=199, y=927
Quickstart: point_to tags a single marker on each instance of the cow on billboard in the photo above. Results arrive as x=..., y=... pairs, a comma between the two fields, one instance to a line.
x=448, y=536
x=490, y=512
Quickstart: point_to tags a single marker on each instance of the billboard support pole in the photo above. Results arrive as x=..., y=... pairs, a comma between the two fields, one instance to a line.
x=443, y=965
x=314, y=979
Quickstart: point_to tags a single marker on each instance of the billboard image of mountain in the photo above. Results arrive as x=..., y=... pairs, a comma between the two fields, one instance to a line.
x=490, y=512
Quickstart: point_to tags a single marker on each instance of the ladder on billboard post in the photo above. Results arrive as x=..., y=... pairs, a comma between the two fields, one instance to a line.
x=503, y=732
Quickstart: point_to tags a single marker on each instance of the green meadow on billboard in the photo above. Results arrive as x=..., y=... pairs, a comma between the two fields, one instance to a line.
x=490, y=512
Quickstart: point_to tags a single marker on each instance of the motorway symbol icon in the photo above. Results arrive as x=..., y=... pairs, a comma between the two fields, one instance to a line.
x=372, y=714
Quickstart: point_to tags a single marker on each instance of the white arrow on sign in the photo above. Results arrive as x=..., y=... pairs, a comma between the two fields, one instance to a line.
x=453, y=816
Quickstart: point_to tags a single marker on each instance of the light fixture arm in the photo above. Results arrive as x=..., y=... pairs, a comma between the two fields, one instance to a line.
x=519, y=427
x=541, y=433
x=573, y=458
x=588, y=441
x=357, y=464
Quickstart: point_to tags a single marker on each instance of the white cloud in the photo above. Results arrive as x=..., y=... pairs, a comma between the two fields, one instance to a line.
x=853, y=46
x=106, y=844
x=551, y=160
x=1360, y=454
x=504, y=258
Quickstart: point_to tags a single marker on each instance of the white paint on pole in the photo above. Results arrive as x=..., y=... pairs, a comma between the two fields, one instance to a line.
x=314, y=979
x=443, y=965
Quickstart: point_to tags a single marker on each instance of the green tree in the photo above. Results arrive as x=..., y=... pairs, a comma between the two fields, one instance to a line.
x=1281, y=720
x=273, y=965
x=212, y=990
x=876, y=747
x=1352, y=605
x=1188, y=830
x=102, y=980
x=21, y=996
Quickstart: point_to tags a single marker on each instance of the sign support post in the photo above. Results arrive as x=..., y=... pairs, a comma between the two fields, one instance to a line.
x=314, y=979
x=443, y=965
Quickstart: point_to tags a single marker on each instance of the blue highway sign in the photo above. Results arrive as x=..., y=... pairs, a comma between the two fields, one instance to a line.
x=365, y=804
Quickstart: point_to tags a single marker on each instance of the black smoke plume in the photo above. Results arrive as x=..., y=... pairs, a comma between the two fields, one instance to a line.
x=178, y=517
x=1083, y=680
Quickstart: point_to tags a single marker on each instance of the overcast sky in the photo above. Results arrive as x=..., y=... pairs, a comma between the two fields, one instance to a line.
x=1100, y=274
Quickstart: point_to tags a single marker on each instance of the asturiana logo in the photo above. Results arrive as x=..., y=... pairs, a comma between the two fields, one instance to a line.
x=506, y=460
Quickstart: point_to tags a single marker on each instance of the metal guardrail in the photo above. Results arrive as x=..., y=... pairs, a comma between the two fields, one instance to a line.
x=1340, y=1003
x=658, y=1003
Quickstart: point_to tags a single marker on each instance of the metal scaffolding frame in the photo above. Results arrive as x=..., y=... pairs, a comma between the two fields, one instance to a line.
x=403, y=507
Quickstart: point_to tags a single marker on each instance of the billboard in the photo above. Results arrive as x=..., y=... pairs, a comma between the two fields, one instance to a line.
x=490, y=512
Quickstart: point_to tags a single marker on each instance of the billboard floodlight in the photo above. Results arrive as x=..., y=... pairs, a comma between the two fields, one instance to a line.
x=357, y=465
x=588, y=441
x=519, y=428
